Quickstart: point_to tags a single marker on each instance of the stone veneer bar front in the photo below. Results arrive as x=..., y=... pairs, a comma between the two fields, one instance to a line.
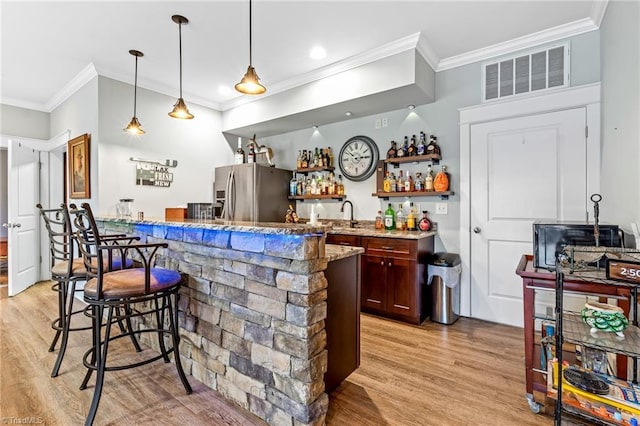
x=252, y=311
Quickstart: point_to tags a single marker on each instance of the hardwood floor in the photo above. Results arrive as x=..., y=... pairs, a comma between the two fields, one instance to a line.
x=469, y=372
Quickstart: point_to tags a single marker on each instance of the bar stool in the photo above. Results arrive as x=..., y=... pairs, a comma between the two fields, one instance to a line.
x=67, y=270
x=152, y=291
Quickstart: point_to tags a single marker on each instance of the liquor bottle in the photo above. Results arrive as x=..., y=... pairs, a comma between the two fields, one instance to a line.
x=379, y=222
x=441, y=182
x=386, y=184
x=332, y=183
x=400, y=183
x=401, y=224
x=293, y=186
x=428, y=180
x=251, y=157
x=239, y=157
x=314, y=186
x=411, y=218
x=393, y=151
x=316, y=158
x=389, y=219
x=402, y=150
x=408, y=183
x=424, y=224
x=422, y=145
x=305, y=161
x=419, y=183
x=413, y=149
x=299, y=160
x=340, y=185
x=433, y=147
x=325, y=157
x=330, y=157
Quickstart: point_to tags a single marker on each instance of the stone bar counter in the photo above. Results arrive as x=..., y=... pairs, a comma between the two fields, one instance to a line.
x=253, y=310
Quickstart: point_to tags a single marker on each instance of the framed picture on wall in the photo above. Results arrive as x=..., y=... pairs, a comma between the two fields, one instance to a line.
x=78, y=160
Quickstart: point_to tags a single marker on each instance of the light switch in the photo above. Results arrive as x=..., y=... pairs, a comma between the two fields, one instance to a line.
x=441, y=208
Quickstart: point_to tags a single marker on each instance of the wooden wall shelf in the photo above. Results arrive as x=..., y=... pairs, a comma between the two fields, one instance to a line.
x=385, y=195
x=317, y=197
x=315, y=169
x=414, y=159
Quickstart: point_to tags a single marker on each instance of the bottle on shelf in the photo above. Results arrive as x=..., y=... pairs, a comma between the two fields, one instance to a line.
x=330, y=156
x=305, y=160
x=428, y=180
x=393, y=151
x=340, y=185
x=424, y=224
x=433, y=147
x=239, y=157
x=400, y=222
x=400, y=182
x=316, y=158
x=389, y=218
x=379, y=222
x=251, y=156
x=441, y=181
x=411, y=218
x=422, y=144
x=299, y=160
x=412, y=150
x=314, y=186
x=402, y=151
x=300, y=190
x=386, y=184
x=418, y=182
x=332, y=183
x=293, y=186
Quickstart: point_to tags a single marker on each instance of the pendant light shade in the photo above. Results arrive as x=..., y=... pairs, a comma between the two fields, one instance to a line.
x=249, y=84
x=134, y=127
x=180, y=109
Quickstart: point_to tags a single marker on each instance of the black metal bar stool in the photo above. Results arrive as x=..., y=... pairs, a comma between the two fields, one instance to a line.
x=67, y=269
x=150, y=291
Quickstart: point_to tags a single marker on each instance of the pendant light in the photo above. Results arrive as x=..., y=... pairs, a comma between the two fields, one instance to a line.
x=249, y=84
x=180, y=109
x=134, y=126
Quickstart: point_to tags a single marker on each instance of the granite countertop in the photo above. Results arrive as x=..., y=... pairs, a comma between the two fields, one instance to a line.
x=337, y=252
x=225, y=225
x=372, y=232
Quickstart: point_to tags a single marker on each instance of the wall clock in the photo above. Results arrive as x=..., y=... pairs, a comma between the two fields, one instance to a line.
x=358, y=158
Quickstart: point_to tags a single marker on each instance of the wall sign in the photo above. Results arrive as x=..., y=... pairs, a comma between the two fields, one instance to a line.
x=154, y=173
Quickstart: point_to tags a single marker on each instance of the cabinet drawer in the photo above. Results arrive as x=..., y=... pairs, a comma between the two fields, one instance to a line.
x=343, y=240
x=390, y=247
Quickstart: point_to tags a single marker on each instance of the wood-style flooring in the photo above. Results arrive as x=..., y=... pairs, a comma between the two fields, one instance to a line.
x=471, y=372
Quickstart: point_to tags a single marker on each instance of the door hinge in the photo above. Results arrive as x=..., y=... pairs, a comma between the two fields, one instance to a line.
x=40, y=258
x=586, y=131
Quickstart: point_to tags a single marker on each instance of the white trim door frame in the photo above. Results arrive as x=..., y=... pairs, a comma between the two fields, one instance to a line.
x=587, y=96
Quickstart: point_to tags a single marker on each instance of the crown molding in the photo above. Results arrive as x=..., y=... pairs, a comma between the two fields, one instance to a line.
x=381, y=52
x=24, y=104
x=545, y=36
x=87, y=74
x=427, y=52
x=598, y=10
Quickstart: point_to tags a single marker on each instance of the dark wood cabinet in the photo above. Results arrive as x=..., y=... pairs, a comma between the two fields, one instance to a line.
x=393, y=275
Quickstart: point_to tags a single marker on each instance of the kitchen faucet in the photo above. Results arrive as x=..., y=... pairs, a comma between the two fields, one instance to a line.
x=352, y=222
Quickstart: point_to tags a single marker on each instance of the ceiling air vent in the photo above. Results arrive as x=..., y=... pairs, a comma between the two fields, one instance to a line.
x=532, y=72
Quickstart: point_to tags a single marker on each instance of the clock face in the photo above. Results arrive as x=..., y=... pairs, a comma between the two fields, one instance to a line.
x=358, y=158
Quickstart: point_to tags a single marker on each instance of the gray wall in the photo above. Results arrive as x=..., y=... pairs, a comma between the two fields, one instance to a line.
x=79, y=114
x=455, y=88
x=4, y=212
x=198, y=145
x=620, y=41
x=16, y=121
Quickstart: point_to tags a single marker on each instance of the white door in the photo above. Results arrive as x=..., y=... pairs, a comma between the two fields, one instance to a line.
x=24, y=257
x=522, y=169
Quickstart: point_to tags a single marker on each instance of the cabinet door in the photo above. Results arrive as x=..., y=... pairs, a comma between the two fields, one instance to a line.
x=402, y=287
x=374, y=286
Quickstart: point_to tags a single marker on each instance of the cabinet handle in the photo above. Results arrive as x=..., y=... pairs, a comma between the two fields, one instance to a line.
x=386, y=248
x=382, y=263
x=390, y=264
x=342, y=243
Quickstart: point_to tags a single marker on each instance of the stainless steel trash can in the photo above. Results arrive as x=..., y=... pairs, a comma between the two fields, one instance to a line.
x=444, y=279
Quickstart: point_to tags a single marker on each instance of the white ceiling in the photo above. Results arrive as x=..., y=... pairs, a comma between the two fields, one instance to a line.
x=45, y=45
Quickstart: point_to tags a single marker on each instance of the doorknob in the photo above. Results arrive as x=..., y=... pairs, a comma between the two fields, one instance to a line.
x=6, y=225
x=476, y=230
x=16, y=225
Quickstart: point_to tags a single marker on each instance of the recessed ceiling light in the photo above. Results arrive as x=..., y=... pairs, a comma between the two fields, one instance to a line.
x=225, y=90
x=411, y=106
x=348, y=113
x=315, y=126
x=317, y=52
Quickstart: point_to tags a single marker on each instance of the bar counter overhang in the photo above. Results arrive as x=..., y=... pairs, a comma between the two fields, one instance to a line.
x=252, y=309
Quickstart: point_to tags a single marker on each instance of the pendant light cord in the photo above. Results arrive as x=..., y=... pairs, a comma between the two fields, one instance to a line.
x=180, y=50
x=135, y=88
x=250, y=62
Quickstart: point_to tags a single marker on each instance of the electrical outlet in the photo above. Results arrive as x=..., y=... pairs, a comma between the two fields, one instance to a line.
x=441, y=208
x=378, y=123
x=385, y=122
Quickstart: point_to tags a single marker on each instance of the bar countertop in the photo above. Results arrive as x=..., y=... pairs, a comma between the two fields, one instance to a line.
x=337, y=252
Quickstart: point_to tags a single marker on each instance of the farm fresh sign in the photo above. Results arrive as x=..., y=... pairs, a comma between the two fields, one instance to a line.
x=150, y=174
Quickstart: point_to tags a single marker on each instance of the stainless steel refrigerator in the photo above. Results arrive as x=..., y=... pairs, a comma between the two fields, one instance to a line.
x=252, y=192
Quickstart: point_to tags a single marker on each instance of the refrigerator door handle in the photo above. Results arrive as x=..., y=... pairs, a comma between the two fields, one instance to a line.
x=227, y=208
